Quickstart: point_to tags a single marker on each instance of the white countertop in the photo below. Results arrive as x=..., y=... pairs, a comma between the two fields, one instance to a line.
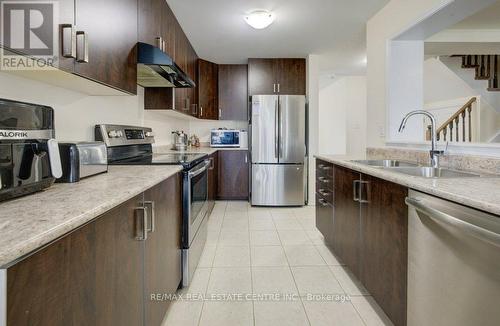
x=27, y=223
x=482, y=193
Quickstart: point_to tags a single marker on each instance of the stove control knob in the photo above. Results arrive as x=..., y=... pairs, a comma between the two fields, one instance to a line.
x=120, y=133
x=149, y=134
x=113, y=134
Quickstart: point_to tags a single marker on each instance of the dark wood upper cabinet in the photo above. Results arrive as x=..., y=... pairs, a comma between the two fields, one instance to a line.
x=291, y=76
x=233, y=92
x=93, y=276
x=261, y=76
x=233, y=175
x=346, y=237
x=384, y=245
x=162, y=262
x=149, y=20
x=108, y=42
x=207, y=90
x=285, y=76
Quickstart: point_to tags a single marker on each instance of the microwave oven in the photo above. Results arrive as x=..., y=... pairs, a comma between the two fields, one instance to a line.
x=225, y=138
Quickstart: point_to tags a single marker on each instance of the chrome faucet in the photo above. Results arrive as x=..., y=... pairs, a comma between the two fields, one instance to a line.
x=434, y=153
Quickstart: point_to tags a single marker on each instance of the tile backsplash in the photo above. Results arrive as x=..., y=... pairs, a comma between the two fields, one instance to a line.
x=482, y=164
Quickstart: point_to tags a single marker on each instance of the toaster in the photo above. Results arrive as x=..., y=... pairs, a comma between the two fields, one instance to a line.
x=82, y=159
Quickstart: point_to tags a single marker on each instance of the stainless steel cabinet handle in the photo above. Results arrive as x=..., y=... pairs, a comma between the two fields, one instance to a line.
x=274, y=88
x=220, y=114
x=142, y=225
x=246, y=158
x=212, y=163
x=68, y=41
x=152, y=224
x=159, y=42
x=322, y=202
x=82, y=47
x=437, y=215
x=324, y=192
x=355, y=194
x=361, y=184
x=278, y=88
x=201, y=111
x=323, y=179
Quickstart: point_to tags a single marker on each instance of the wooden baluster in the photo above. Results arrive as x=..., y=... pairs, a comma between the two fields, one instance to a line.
x=451, y=130
x=463, y=127
x=457, y=139
x=469, y=110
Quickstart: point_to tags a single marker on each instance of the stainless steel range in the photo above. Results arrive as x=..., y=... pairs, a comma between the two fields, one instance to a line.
x=130, y=145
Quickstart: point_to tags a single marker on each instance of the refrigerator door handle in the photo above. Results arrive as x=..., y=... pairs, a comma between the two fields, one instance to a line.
x=276, y=131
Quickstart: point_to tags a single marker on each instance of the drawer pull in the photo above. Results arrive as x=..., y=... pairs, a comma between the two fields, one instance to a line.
x=323, y=179
x=322, y=202
x=324, y=192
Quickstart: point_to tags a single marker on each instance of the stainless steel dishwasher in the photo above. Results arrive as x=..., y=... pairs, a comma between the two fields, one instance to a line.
x=453, y=264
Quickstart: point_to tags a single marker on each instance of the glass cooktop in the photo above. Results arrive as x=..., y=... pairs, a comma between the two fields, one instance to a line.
x=187, y=160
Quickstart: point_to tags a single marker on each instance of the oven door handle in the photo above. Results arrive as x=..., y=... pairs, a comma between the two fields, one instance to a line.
x=200, y=170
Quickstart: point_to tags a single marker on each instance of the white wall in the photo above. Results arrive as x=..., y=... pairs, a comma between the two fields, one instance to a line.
x=342, y=116
x=77, y=113
x=312, y=89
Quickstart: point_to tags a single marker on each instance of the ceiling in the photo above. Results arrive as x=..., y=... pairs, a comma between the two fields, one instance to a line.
x=488, y=18
x=335, y=29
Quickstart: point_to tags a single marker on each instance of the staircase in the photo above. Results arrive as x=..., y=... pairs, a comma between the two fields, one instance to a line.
x=487, y=67
x=458, y=127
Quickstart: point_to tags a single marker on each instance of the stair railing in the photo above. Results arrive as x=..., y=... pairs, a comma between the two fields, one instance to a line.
x=463, y=118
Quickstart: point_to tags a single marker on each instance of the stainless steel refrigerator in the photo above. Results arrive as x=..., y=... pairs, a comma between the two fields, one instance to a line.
x=279, y=150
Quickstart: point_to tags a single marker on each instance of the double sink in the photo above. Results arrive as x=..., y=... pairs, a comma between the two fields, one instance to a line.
x=416, y=170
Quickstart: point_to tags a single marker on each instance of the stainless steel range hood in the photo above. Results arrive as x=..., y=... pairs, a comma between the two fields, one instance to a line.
x=155, y=68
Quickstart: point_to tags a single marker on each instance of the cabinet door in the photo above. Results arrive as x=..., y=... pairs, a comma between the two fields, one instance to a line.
x=207, y=89
x=167, y=28
x=291, y=76
x=162, y=263
x=92, y=276
x=233, y=92
x=384, y=245
x=110, y=29
x=261, y=76
x=233, y=175
x=149, y=21
x=212, y=180
x=346, y=240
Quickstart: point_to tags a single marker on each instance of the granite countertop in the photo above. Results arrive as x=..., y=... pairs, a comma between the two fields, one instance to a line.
x=27, y=223
x=203, y=149
x=482, y=193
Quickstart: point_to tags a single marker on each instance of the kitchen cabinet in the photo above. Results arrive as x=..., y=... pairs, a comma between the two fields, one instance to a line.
x=285, y=76
x=106, y=46
x=213, y=172
x=80, y=279
x=346, y=237
x=233, y=173
x=369, y=232
x=384, y=245
x=163, y=246
x=102, y=273
x=324, y=199
x=207, y=90
x=233, y=92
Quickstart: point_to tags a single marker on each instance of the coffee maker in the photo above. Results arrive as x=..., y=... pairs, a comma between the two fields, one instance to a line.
x=29, y=154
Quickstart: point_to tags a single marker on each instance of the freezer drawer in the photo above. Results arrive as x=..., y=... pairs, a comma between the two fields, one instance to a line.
x=278, y=185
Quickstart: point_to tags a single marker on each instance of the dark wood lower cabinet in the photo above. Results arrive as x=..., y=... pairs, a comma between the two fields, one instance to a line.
x=384, y=245
x=369, y=232
x=233, y=176
x=346, y=237
x=163, y=248
x=93, y=276
x=100, y=274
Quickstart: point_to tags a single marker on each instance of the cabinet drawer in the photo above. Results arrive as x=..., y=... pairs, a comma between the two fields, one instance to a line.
x=324, y=217
x=325, y=193
x=324, y=169
x=323, y=182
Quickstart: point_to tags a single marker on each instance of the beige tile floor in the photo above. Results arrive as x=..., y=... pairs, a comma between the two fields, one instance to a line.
x=258, y=252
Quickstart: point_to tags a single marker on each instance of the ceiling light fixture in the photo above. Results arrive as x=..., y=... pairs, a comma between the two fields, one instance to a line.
x=260, y=19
